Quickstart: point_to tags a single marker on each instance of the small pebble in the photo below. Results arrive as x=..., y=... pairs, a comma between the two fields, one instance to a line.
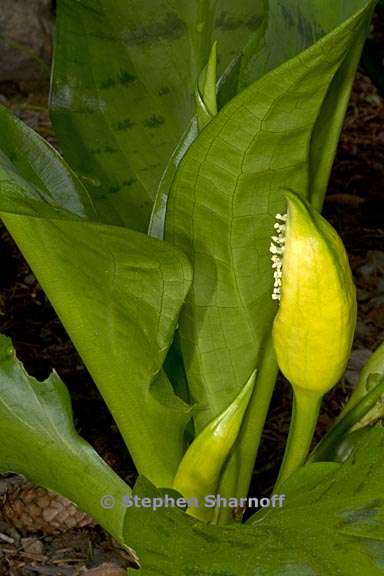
x=30, y=279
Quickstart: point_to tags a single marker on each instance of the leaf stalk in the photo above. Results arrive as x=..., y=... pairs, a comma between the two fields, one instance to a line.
x=305, y=412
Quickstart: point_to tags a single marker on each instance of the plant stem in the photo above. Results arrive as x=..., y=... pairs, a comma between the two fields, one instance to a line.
x=306, y=408
x=238, y=472
x=351, y=418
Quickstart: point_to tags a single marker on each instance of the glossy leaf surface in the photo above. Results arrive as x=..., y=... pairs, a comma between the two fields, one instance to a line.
x=336, y=510
x=39, y=440
x=285, y=29
x=223, y=200
x=123, y=85
x=117, y=292
x=331, y=522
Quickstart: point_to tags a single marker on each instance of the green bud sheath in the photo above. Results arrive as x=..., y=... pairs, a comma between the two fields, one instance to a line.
x=199, y=471
x=314, y=326
x=205, y=92
x=375, y=365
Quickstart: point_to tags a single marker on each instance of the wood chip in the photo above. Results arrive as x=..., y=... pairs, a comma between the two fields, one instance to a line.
x=6, y=538
x=106, y=569
x=32, y=546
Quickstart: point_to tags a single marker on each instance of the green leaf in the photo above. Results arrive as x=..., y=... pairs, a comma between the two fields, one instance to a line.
x=284, y=30
x=225, y=194
x=221, y=211
x=123, y=86
x=374, y=365
x=206, y=104
x=34, y=180
x=39, y=440
x=289, y=28
x=118, y=294
x=364, y=413
x=331, y=522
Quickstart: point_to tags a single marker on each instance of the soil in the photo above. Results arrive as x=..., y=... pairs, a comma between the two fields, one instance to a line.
x=355, y=207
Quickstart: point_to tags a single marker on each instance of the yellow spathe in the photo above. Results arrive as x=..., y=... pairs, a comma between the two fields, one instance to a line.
x=313, y=329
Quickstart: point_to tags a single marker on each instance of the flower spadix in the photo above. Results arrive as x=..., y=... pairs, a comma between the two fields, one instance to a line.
x=314, y=326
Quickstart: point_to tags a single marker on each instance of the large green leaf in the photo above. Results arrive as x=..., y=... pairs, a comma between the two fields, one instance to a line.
x=331, y=522
x=123, y=84
x=221, y=211
x=285, y=29
x=39, y=440
x=291, y=27
x=117, y=292
x=223, y=200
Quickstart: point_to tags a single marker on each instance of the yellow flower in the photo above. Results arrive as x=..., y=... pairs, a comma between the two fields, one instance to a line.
x=314, y=326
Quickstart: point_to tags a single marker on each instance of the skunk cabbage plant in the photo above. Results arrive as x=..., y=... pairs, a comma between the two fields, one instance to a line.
x=181, y=125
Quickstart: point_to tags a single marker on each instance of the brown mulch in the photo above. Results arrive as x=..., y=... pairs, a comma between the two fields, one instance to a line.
x=355, y=207
x=74, y=553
